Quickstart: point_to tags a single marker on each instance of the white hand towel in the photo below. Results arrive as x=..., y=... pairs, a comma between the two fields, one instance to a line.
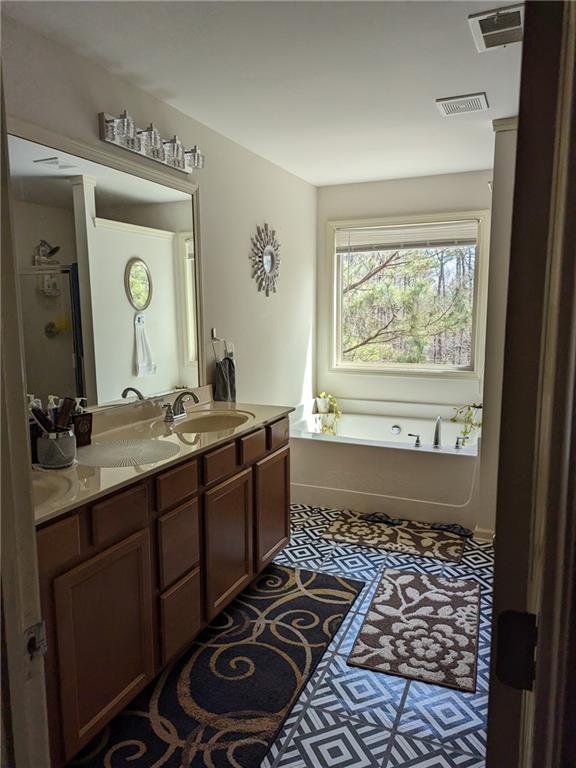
x=145, y=365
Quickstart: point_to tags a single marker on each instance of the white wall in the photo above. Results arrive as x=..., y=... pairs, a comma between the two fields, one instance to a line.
x=50, y=86
x=113, y=315
x=175, y=217
x=401, y=197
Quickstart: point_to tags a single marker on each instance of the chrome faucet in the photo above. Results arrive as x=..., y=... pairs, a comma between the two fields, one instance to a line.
x=176, y=410
x=437, y=430
x=137, y=392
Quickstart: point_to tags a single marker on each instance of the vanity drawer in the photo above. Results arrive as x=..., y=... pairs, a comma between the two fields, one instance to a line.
x=176, y=485
x=278, y=434
x=180, y=615
x=252, y=447
x=119, y=516
x=58, y=544
x=178, y=542
x=220, y=463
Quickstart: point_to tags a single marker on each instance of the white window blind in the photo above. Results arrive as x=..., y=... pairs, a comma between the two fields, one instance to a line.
x=446, y=233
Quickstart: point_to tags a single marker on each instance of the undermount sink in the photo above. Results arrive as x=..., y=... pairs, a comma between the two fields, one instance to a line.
x=212, y=422
x=47, y=487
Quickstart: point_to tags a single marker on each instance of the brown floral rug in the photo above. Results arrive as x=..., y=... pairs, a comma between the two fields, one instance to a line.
x=422, y=627
x=409, y=537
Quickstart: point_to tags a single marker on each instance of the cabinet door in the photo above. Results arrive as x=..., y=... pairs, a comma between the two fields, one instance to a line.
x=228, y=530
x=272, y=505
x=105, y=637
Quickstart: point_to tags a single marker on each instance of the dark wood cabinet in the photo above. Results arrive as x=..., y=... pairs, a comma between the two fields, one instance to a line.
x=105, y=637
x=271, y=506
x=228, y=537
x=180, y=615
x=128, y=581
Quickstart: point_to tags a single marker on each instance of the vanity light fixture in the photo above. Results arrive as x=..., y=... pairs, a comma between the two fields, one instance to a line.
x=123, y=132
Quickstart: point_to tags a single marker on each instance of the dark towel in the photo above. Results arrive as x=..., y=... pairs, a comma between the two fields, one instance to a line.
x=459, y=530
x=225, y=384
x=382, y=517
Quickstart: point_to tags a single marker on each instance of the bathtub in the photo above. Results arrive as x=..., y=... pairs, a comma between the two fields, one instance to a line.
x=372, y=465
x=386, y=431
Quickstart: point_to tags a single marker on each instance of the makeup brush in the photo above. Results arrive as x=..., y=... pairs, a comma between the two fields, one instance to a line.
x=43, y=420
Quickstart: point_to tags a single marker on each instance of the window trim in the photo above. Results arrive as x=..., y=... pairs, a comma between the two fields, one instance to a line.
x=479, y=305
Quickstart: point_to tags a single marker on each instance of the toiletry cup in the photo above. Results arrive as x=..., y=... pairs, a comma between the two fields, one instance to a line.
x=56, y=450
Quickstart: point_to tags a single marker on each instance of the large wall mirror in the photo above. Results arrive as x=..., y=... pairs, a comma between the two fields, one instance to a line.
x=108, y=277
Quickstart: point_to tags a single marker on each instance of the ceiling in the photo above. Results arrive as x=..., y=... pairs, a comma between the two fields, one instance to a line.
x=335, y=92
x=45, y=184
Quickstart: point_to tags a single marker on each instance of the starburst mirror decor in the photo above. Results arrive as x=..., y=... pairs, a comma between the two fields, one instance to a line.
x=265, y=258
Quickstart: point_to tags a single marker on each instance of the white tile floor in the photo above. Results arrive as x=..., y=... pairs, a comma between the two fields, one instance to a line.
x=348, y=717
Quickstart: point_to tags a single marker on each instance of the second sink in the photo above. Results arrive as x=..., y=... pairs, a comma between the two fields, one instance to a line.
x=212, y=422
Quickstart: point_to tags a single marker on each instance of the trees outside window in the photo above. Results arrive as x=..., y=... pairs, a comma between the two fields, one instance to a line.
x=407, y=306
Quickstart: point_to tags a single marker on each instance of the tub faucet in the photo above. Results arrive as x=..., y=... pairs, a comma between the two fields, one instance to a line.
x=437, y=429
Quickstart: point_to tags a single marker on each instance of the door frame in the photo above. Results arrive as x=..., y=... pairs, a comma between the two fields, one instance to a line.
x=20, y=586
x=535, y=526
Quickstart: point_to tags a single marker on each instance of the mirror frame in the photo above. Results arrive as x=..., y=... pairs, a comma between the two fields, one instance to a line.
x=113, y=157
x=136, y=260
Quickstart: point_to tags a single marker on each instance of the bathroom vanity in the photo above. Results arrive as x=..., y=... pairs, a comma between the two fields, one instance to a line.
x=162, y=522
x=131, y=574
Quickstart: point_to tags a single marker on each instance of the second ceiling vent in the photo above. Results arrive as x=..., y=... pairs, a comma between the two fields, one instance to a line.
x=461, y=105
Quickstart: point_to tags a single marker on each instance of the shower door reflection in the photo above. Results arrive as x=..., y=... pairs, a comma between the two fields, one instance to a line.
x=52, y=331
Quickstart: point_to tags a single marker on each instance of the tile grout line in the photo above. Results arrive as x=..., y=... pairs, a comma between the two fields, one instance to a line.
x=396, y=724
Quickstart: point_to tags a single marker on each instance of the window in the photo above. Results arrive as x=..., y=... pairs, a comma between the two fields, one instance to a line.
x=406, y=296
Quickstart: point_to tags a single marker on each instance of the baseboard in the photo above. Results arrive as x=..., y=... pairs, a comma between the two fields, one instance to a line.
x=484, y=534
x=366, y=502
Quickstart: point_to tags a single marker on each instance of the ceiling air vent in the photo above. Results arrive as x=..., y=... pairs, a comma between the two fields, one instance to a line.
x=498, y=27
x=462, y=105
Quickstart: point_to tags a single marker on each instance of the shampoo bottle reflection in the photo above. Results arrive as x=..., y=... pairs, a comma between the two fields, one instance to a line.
x=82, y=422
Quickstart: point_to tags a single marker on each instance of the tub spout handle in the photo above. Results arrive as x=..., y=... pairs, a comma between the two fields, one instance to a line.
x=417, y=442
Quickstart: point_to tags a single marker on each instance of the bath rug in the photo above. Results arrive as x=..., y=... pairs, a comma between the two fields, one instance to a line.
x=411, y=537
x=224, y=701
x=422, y=627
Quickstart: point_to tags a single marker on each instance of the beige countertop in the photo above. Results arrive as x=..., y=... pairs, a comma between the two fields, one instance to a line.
x=58, y=491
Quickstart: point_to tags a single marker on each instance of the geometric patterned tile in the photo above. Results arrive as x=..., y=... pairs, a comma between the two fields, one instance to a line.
x=368, y=696
x=483, y=576
x=455, y=719
x=325, y=740
x=344, y=715
x=355, y=563
x=477, y=557
x=287, y=557
x=314, y=519
x=282, y=738
x=411, y=753
x=306, y=548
